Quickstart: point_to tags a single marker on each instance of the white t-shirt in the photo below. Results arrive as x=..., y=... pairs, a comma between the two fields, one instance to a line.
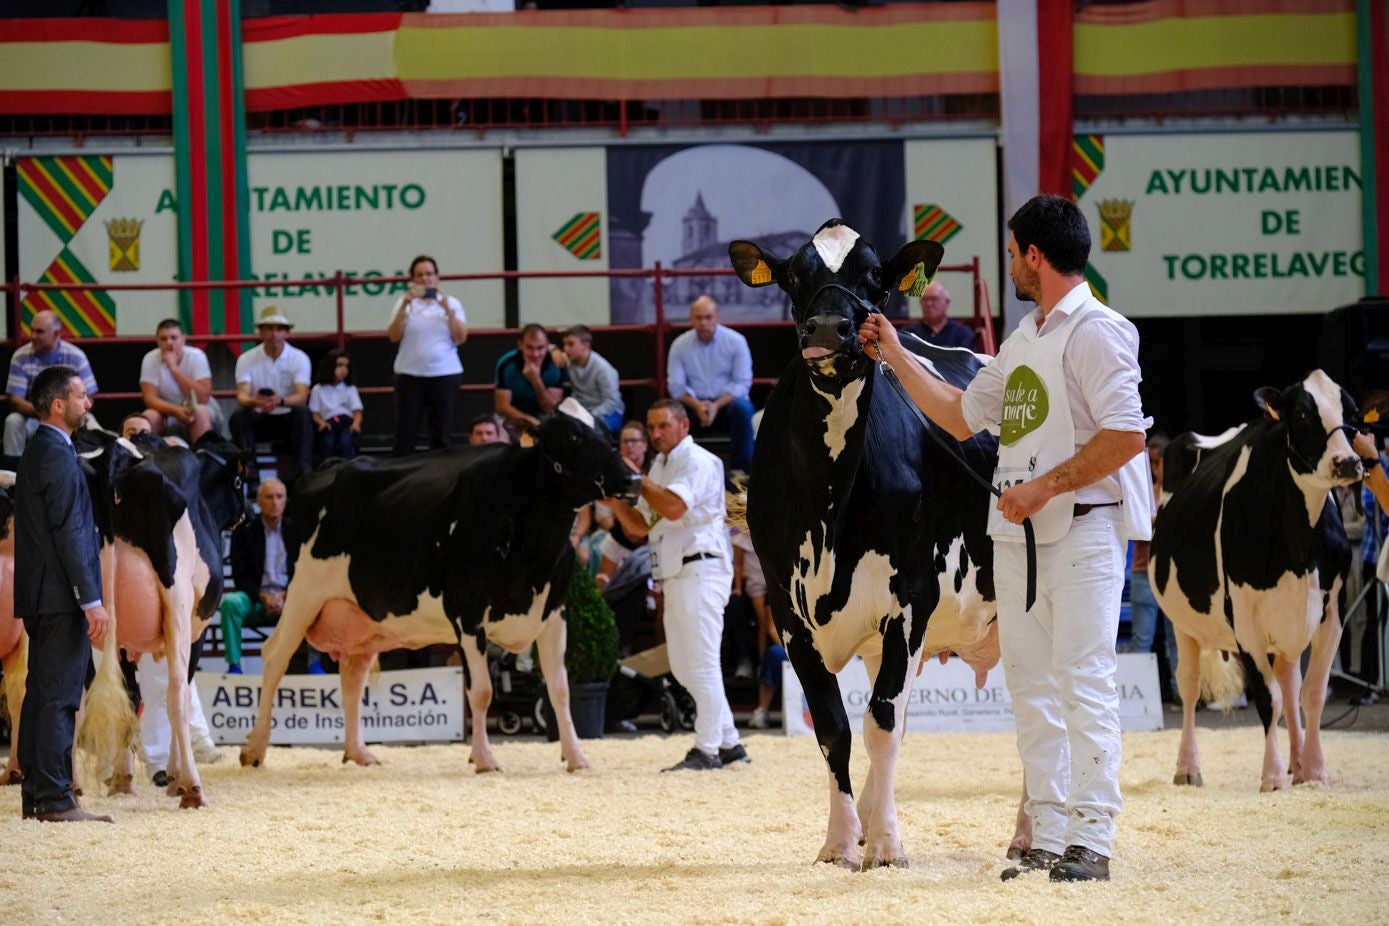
x=194, y=365
x=427, y=348
x=696, y=475
x=332, y=401
x=280, y=375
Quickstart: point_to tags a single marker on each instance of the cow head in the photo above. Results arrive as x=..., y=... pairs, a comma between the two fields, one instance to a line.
x=834, y=281
x=222, y=471
x=1320, y=418
x=581, y=458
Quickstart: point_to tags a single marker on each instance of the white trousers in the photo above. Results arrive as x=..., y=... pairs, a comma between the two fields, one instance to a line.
x=154, y=715
x=1059, y=663
x=694, y=603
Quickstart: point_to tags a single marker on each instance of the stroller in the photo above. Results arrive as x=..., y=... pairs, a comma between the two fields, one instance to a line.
x=643, y=684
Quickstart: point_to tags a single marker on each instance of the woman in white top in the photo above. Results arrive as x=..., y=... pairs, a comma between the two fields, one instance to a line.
x=336, y=407
x=176, y=386
x=428, y=325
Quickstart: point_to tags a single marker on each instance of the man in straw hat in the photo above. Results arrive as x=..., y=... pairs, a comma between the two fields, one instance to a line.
x=272, y=392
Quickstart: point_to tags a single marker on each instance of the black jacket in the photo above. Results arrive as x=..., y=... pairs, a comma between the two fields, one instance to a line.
x=248, y=553
x=57, y=566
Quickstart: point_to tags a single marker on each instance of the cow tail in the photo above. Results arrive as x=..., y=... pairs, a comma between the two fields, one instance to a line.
x=16, y=672
x=109, y=724
x=1222, y=678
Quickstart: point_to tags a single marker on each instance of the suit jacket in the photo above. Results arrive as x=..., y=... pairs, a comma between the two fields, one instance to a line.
x=57, y=548
x=248, y=554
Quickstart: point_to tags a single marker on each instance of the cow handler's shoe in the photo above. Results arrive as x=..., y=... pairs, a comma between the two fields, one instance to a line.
x=1032, y=860
x=160, y=779
x=696, y=760
x=729, y=755
x=73, y=815
x=1081, y=864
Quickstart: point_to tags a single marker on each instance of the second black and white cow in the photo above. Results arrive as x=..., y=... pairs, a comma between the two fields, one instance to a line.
x=455, y=546
x=1248, y=557
x=872, y=539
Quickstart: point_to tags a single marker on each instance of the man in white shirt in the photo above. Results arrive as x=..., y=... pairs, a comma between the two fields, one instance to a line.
x=272, y=392
x=682, y=513
x=1073, y=465
x=176, y=385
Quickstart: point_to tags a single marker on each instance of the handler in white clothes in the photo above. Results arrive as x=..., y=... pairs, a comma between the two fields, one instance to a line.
x=682, y=512
x=1063, y=393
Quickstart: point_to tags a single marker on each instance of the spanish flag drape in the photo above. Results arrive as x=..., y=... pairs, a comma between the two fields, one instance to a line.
x=210, y=155
x=1373, y=40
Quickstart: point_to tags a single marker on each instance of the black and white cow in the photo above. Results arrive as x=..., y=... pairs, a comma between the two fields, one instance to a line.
x=872, y=539
x=455, y=546
x=161, y=511
x=1249, y=555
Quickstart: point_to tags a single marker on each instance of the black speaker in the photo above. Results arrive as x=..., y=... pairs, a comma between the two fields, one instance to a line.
x=1354, y=345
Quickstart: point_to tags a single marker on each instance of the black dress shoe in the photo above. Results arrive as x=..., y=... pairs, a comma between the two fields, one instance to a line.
x=1032, y=860
x=161, y=779
x=735, y=753
x=72, y=815
x=695, y=760
x=1081, y=864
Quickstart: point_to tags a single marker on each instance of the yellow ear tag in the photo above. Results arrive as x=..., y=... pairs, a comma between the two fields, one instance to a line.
x=908, y=281
x=1371, y=416
x=760, y=274
x=916, y=282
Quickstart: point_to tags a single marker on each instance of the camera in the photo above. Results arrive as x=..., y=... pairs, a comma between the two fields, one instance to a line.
x=431, y=293
x=265, y=393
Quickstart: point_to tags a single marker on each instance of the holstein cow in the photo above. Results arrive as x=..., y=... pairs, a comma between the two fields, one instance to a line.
x=872, y=538
x=14, y=642
x=455, y=546
x=161, y=511
x=1249, y=555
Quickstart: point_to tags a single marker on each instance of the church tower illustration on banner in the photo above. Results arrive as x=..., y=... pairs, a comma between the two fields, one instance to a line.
x=700, y=227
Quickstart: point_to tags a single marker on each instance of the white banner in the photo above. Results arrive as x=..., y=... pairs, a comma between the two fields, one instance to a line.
x=944, y=699
x=561, y=224
x=1226, y=224
x=408, y=706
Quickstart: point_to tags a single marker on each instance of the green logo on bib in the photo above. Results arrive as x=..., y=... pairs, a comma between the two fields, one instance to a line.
x=1024, y=405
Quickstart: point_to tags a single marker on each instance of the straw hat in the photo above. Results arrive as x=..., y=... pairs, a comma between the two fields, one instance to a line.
x=271, y=315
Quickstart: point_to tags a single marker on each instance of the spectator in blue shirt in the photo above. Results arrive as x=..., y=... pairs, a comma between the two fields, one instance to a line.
x=709, y=371
x=528, y=384
x=45, y=349
x=936, y=326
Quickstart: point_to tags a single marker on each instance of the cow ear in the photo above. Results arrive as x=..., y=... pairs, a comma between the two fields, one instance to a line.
x=901, y=272
x=753, y=266
x=1270, y=400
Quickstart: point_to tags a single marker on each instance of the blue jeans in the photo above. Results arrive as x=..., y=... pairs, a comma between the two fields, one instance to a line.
x=772, y=661
x=1143, y=614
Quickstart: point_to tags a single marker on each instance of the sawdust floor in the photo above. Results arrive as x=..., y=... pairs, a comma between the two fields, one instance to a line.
x=422, y=839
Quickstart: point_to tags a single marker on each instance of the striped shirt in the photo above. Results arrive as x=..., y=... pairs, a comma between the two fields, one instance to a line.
x=26, y=364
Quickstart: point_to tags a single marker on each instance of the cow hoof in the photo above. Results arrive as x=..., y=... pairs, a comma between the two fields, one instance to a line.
x=13, y=777
x=249, y=759
x=364, y=759
x=1015, y=853
x=898, y=862
x=1186, y=778
x=76, y=791
x=121, y=784
x=191, y=798
x=1317, y=777
x=1276, y=783
x=848, y=863
x=173, y=789
x=485, y=769
x=573, y=766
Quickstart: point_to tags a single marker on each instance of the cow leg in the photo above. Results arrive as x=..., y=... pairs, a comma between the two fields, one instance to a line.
x=479, y=699
x=1288, y=673
x=553, y=635
x=352, y=676
x=1189, y=687
x=884, y=724
x=300, y=610
x=1268, y=700
x=1022, y=828
x=16, y=668
x=178, y=639
x=835, y=738
x=1325, y=641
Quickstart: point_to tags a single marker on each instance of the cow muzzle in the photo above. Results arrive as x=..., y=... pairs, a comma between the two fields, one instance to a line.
x=630, y=490
x=824, y=335
x=1347, y=469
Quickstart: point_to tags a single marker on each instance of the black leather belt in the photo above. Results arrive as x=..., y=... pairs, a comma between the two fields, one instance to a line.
x=1086, y=509
x=696, y=557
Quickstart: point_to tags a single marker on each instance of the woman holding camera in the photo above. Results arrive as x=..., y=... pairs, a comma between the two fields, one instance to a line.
x=429, y=326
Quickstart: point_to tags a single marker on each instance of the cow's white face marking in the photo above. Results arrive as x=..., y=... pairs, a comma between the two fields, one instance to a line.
x=573, y=409
x=834, y=244
x=1327, y=396
x=842, y=415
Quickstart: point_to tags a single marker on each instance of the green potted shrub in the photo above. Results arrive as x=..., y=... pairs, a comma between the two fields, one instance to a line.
x=591, y=654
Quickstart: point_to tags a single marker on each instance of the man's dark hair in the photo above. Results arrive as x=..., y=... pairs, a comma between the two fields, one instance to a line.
x=167, y=324
x=581, y=332
x=51, y=384
x=485, y=418
x=530, y=329
x=421, y=259
x=676, y=408
x=1057, y=227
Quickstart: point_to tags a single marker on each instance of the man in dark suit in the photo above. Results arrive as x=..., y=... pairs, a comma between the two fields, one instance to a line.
x=57, y=592
x=263, y=552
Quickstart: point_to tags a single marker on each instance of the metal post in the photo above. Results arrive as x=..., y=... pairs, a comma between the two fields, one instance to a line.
x=339, y=291
x=13, y=309
x=660, y=332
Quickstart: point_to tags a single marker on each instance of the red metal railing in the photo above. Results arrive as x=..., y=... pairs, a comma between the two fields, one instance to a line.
x=15, y=291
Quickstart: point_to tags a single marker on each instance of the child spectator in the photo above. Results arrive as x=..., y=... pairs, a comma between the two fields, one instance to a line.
x=336, y=407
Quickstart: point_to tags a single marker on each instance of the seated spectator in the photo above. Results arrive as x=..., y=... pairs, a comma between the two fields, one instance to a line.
x=593, y=379
x=709, y=371
x=336, y=407
x=272, y=390
x=176, y=386
x=46, y=348
x=936, y=327
x=486, y=429
x=528, y=383
x=263, y=552
x=134, y=424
